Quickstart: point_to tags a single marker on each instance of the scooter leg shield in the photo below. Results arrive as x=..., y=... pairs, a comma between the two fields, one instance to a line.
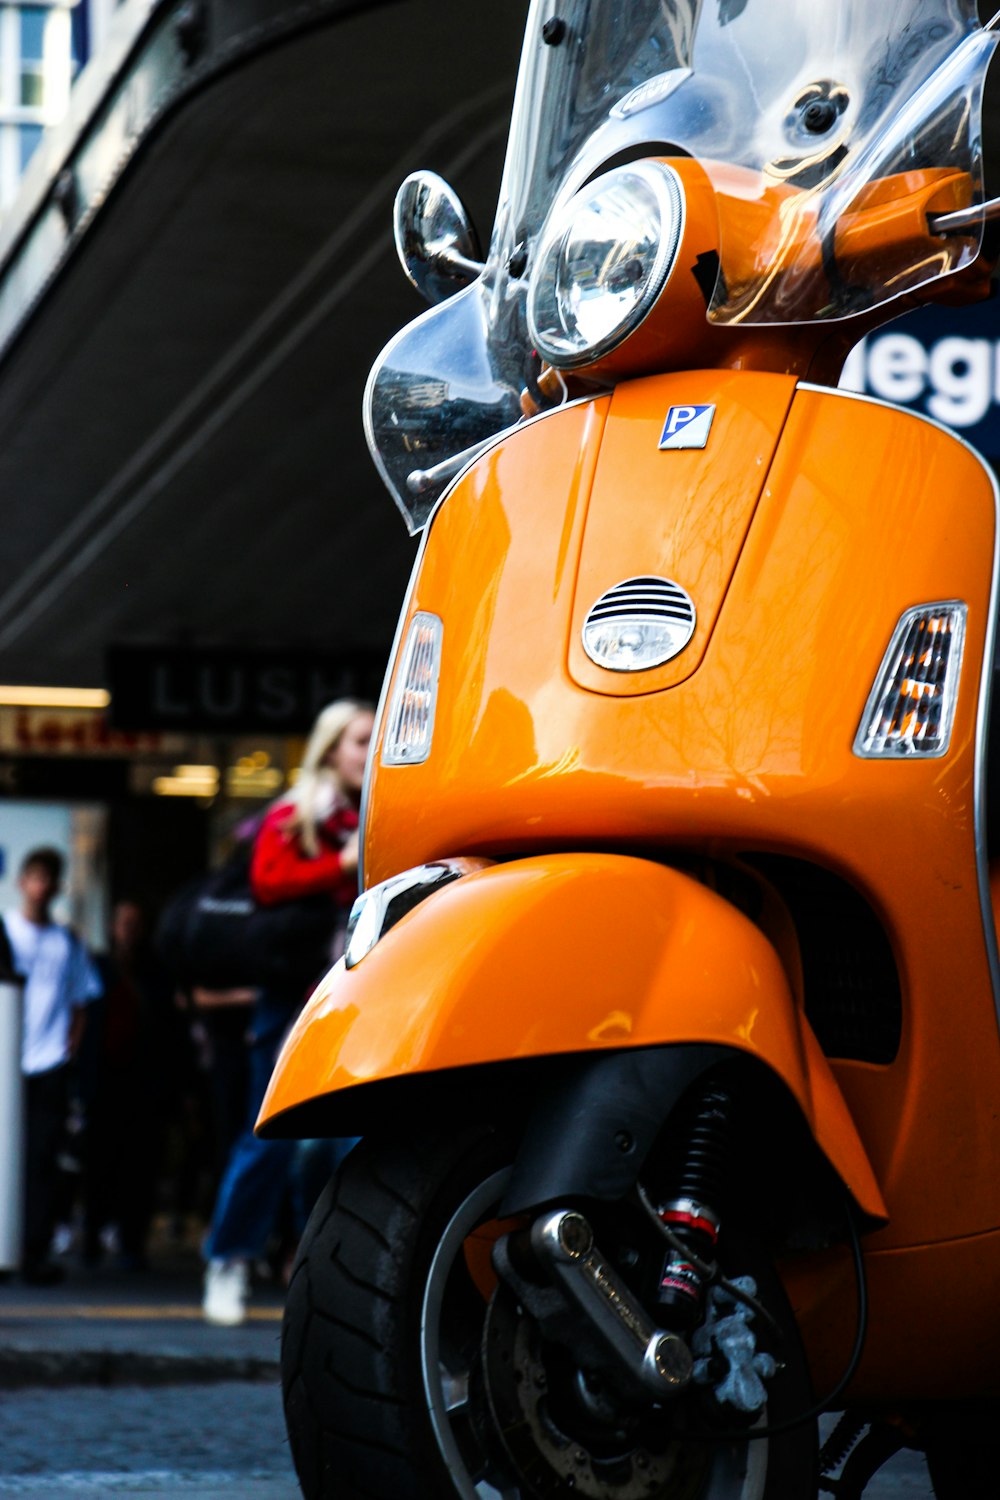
x=532, y=970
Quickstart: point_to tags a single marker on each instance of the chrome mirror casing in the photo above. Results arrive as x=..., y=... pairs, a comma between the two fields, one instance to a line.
x=437, y=246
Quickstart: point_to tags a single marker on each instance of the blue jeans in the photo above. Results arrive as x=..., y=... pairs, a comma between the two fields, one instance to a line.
x=259, y=1173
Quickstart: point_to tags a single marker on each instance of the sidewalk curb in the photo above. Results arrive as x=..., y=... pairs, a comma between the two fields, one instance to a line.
x=20, y=1368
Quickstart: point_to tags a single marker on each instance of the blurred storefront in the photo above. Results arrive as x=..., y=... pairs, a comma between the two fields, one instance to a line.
x=156, y=777
x=67, y=780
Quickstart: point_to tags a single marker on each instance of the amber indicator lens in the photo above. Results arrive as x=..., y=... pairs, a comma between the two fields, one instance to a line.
x=911, y=709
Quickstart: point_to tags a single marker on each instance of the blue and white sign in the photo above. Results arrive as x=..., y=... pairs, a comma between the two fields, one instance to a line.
x=687, y=427
x=942, y=361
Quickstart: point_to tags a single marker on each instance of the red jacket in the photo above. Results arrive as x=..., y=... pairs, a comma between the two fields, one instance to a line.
x=279, y=871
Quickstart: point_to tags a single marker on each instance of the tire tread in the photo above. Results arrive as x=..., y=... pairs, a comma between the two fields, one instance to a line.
x=350, y=1406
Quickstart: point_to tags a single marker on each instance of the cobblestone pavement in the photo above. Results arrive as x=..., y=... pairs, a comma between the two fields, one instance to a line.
x=194, y=1442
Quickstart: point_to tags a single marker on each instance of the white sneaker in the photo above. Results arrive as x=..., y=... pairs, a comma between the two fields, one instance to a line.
x=62, y=1239
x=227, y=1285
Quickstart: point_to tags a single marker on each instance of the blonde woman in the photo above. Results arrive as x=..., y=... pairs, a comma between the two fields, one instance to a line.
x=308, y=842
x=307, y=845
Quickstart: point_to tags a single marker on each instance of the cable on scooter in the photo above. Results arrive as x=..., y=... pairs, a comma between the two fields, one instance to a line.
x=712, y=1275
x=706, y=1269
x=754, y=1434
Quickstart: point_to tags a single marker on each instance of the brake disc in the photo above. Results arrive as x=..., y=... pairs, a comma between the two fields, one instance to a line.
x=548, y=1459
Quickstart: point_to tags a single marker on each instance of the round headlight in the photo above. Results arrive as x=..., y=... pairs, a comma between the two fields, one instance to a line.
x=602, y=260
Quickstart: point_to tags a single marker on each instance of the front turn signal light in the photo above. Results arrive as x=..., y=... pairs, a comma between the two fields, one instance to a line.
x=911, y=709
x=410, y=719
x=382, y=906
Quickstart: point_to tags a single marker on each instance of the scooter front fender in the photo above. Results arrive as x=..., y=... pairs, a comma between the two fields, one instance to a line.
x=565, y=954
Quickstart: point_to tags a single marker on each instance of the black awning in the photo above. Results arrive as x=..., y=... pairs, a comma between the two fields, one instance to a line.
x=184, y=340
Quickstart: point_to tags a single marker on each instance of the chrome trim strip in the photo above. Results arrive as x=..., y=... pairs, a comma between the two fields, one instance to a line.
x=985, y=686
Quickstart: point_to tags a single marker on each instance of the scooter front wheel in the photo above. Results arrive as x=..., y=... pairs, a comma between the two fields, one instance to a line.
x=389, y=1310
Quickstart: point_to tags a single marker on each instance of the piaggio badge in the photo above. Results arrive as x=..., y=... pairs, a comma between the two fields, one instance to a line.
x=687, y=427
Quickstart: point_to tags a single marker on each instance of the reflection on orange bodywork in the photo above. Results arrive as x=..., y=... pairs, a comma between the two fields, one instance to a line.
x=754, y=749
x=685, y=518
x=822, y=1291
x=765, y=237
x=529, y=959
x=769, y=233
x=803, y=569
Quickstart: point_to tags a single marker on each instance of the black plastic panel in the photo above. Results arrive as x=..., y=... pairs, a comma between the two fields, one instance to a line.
x=852, y=992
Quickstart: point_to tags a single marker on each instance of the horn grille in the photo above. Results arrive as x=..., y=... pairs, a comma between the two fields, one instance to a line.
x=638, y=624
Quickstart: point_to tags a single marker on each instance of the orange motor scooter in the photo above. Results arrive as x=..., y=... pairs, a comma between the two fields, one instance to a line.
x=669, y=1012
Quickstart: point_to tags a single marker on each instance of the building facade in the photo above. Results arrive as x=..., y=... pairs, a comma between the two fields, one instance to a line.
x=43, y=48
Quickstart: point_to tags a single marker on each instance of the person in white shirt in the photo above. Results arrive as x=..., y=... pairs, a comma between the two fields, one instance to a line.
x=60, y=982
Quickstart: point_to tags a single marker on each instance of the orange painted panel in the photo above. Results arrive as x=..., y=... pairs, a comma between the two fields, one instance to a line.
x=682, y=514
x=866, y=511
x=919, y=1301
x=564, y=953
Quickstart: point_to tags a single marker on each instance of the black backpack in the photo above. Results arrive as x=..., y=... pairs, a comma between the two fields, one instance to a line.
x=8, y=970
x=216, y=935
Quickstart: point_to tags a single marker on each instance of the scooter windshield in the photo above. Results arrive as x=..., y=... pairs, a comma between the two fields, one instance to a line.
x=808, y=118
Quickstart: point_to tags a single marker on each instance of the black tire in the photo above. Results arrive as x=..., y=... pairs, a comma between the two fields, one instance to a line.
x=359, y=1410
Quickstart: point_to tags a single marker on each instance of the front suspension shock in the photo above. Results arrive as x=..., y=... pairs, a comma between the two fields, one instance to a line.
x=692, y=1212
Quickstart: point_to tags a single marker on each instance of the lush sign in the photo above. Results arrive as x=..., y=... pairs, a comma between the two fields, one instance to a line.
x=233, y=692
